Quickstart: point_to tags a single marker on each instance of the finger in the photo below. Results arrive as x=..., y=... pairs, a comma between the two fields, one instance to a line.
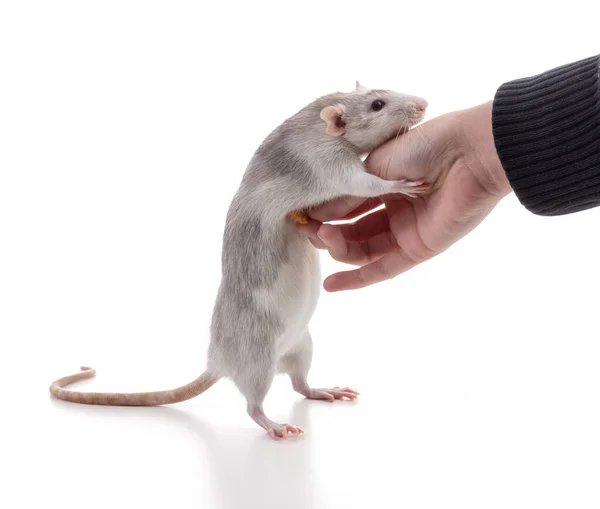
x=367, y=205
x=310, y=230
x=357, y=253
x=387, y=267
x=343, y=208
x=368, y=226
x=399, y=157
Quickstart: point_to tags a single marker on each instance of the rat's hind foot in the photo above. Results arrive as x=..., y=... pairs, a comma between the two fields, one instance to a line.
x=274, y=430
x=332, y=394
x=282, y=430
x=301, y=386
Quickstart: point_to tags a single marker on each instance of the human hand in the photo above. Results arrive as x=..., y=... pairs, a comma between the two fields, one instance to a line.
x=455, y=153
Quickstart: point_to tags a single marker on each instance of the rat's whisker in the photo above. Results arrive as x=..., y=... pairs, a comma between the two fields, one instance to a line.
x=395, y=142
x=420, y=130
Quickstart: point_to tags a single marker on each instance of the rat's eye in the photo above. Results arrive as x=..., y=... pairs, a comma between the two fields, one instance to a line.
x=377, y=105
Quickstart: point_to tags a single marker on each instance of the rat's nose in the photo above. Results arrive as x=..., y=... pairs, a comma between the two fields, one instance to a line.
x=422, y=105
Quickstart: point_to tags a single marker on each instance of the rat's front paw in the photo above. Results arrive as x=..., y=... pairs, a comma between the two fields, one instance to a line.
x=411, y=188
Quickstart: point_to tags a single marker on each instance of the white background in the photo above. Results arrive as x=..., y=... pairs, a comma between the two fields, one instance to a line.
x=125, y=128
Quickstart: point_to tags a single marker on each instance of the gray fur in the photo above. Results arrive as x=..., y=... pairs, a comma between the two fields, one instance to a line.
x=242, y=334
x=282, y=162
x=255, y=261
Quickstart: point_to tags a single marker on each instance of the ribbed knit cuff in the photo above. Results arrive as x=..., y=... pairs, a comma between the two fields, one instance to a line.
x=547, y=135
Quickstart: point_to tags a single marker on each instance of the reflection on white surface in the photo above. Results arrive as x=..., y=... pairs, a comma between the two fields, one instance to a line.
x=221, y=467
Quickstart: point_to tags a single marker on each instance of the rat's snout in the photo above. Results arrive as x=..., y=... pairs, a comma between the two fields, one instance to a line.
x=419, y=111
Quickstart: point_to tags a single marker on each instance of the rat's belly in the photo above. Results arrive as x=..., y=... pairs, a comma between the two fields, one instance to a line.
x=294, y=295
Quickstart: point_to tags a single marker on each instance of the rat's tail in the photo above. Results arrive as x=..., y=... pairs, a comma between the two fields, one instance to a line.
x=198, y=386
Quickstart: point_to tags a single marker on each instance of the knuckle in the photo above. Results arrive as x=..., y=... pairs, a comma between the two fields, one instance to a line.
x=360, y=277
x=418, y=252
x=384, y=270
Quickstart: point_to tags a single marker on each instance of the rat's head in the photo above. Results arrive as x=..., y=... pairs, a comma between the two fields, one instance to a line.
x=367, y=118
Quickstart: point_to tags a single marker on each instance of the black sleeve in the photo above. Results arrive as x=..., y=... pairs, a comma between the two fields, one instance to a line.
x=547, y=135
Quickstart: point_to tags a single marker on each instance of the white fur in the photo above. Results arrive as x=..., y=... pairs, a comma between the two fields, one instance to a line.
x=294, y=295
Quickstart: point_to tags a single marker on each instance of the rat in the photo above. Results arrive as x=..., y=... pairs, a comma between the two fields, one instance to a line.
x=271, y=276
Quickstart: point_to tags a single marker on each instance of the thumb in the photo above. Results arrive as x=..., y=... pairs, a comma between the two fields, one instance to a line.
x=400, y=157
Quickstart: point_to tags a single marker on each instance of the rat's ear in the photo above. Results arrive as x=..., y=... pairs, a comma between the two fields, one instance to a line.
x=359, y=87
x=334, y=118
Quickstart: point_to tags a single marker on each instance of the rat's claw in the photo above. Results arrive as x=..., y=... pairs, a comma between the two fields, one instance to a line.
x=347, y=389
x=411, y=188
x=419, y=186
x=416, y=191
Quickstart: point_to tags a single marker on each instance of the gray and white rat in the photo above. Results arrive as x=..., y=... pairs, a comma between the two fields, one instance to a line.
x=270, y=271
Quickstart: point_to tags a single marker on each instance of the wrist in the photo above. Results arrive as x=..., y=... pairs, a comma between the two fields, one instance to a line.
x=486, y=164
